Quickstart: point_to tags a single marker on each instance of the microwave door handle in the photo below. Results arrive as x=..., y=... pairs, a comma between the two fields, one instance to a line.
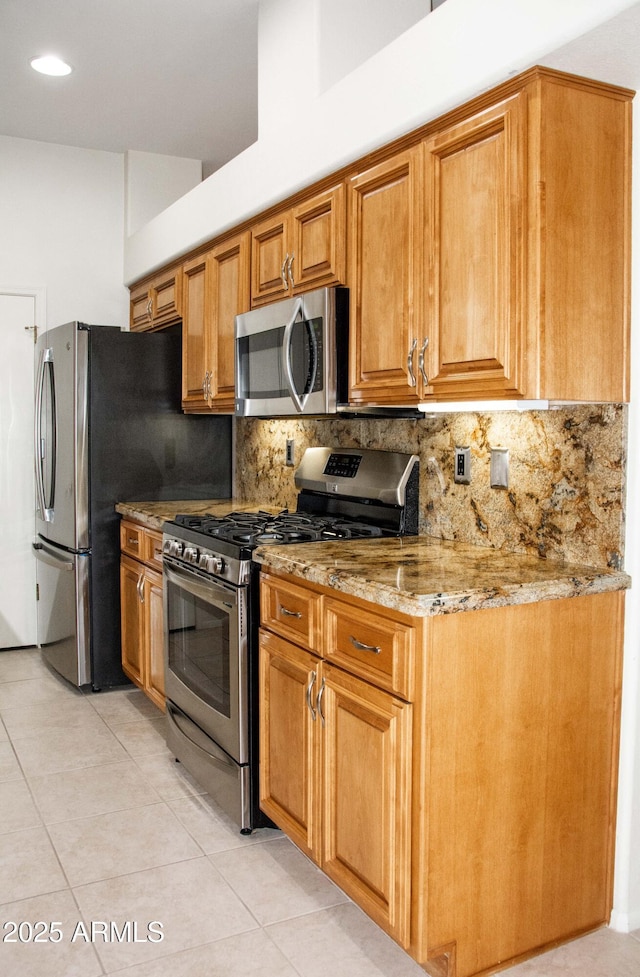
x=286, y=358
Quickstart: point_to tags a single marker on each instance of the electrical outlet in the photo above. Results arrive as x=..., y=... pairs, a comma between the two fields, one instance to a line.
x=289, y=453
x=462, y=466
x=499, y=469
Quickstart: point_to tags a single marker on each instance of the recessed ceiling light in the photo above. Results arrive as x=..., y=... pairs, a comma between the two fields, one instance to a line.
x=49, y=64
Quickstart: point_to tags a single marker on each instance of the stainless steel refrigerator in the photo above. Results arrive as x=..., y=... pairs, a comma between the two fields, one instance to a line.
x=108, y=428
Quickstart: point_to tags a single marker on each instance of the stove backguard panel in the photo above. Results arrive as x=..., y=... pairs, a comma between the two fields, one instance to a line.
x=567, y=476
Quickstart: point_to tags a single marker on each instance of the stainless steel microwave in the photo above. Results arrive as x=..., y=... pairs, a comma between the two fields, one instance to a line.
x=291, y=355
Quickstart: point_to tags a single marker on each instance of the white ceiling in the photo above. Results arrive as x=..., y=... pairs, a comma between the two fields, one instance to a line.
x=180, y=77
x=176, y=77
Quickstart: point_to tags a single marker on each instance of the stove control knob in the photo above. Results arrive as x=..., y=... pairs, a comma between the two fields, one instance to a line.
x=172, y=547
x=190, y=554
x=212, y=564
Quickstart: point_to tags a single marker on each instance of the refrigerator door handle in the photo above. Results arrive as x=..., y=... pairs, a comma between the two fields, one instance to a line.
x=46, y=556
x=45, y=368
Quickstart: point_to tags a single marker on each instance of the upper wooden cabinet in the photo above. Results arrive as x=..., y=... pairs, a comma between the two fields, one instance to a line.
x=301, y=248
x=520, y=285
x=158, y=302
x=216, y=289
x=385, y=246
x=475, y=176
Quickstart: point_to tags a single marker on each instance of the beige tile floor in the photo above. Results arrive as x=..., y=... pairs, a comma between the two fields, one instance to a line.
x=98, y=824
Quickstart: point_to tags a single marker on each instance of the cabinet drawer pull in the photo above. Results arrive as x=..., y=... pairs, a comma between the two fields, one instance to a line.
x=412, y=378
x=287, y=613
x=132, y=541
x=376, y=649
x=309, y=702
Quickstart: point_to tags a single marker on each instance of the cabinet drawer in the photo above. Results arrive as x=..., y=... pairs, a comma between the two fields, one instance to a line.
x=132, y=540
x=377, y=648
x=152, y=549
x=290, y=611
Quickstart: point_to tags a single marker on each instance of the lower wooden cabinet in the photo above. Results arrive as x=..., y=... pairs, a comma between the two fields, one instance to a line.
x=455, y=775
x=141, y=609
x=352, y=818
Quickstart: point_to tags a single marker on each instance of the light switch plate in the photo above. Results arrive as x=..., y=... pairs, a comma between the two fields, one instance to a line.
x=499, y=470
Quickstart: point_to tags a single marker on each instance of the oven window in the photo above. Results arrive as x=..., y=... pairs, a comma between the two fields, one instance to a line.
x=198, y=648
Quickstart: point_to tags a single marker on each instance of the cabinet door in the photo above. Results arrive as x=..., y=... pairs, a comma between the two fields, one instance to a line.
x=317, y=246
x=154, y=636
x=195, y=334
x=131, y=582
x=366, y=814
x=385, y=276
x=166, y=297
x=230, y=283
x=288, y=720
x=140, y=309
x=269, y=251
x=475, y=183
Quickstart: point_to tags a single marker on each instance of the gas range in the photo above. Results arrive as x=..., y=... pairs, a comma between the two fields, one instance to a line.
x=346, y=493
x=212, y=613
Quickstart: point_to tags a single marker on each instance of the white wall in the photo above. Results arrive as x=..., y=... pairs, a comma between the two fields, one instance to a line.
x=460, y=49
x=153, y=182
x=62, y=228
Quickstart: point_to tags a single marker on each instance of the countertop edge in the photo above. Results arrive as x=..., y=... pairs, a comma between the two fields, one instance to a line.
x=589, y=581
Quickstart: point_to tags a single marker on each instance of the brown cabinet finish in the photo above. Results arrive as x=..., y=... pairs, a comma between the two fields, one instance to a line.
x=141, y=609
x=519, y=286
x=385, y=278
x=475, y=822
x=157, y=303
x=300, y=248
x=515, y=813
x=317, y=723
x=216, y=289
x=475, y=243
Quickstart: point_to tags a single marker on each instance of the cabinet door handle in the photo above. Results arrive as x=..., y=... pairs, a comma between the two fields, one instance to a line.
x=290, y=270
x=149, y=308
x=309, y=702
x=375, y=649
x=319, y=701
x=412, y=378
x=283, y=272
x=287, y=613
x=423, y=348
x=140, y=588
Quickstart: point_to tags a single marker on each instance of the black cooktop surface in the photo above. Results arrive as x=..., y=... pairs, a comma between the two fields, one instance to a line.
x=259, y=528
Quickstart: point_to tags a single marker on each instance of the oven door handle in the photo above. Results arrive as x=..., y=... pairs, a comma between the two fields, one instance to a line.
x=206, y=591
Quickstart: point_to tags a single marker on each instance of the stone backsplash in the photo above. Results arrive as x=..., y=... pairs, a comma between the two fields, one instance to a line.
x=566, y=494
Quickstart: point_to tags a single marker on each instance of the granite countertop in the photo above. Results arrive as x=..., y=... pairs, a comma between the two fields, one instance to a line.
x=154, y=514
x=420, y=575
x=417, y=575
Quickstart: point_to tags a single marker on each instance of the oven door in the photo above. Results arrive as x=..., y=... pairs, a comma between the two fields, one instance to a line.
x=206, y=655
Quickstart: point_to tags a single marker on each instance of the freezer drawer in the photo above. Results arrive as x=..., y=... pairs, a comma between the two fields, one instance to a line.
x=63, y=610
